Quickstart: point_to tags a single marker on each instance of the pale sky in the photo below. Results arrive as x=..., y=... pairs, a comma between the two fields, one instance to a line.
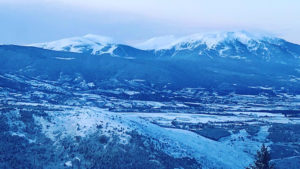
x=31, y=21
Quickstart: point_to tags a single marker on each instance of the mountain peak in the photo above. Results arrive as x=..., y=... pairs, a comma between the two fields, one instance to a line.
x=211, y=39
x=89, y=42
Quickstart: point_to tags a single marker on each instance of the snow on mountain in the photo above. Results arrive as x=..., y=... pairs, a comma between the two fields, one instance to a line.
x=102, y=44
x=89, y=43
x=239, y=45
x=157, y=43
x=233, y=45
x=211, y=40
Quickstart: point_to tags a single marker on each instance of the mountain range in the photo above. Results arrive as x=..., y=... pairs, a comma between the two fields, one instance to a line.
x=227, y=61
x=235, y=45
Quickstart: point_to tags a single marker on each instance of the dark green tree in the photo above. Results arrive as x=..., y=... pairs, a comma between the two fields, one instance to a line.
x=262, y=159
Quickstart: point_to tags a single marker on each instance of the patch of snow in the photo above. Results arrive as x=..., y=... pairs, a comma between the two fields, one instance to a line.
x=181, y=105
x=237, y=57
x=131, y=92
x=109, y=51
x=246, y=143
x=261, y=87
x=221, y=51
x=68, y=163
x=91, y=84
x=61, y=58
x=138, y=80
x=17, y=134
x=81, y=122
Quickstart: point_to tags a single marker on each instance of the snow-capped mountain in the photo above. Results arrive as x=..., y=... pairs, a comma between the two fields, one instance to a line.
x=240, y=45
x=210, y=39
x=89, y=43
x=234, y=45
x=93, y=44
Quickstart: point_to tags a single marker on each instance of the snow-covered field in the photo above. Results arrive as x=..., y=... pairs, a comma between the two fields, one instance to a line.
x=179, y=135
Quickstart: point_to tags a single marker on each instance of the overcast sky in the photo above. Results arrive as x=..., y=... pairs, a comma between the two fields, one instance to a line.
x=31, y=21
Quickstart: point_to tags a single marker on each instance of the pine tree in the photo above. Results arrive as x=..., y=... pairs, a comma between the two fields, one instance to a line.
x=262, y=159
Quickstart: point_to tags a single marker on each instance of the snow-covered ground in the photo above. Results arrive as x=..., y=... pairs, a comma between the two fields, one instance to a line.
x=72, y=121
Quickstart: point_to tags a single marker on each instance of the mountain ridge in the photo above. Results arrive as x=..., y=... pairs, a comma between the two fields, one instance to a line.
x=233, y=45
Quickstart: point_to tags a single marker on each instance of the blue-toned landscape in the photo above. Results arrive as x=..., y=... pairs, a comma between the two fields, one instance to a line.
x=90, y=104
x=208, y=100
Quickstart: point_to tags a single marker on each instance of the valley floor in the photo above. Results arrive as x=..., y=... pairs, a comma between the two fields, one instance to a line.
x=49, y=127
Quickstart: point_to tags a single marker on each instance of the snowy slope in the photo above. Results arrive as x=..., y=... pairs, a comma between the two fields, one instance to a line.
x=211, y=154
x=211, y=40
x=234, y=45
x=95, y=45
x=90, y=43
